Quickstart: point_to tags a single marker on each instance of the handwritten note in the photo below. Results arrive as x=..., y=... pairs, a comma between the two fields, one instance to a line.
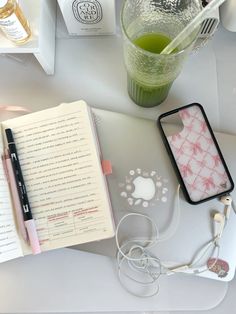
x=10, y=247
x=63, y=177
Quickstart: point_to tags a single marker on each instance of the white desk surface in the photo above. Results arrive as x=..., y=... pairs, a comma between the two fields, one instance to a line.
x=92, y=69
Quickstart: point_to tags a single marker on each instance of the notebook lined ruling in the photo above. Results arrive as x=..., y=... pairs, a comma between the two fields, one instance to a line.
x=61, y=164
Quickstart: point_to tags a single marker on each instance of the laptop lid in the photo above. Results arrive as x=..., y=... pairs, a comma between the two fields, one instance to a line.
x=143, y=181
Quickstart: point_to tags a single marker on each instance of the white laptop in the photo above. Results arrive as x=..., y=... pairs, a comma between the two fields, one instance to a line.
x=143, y=181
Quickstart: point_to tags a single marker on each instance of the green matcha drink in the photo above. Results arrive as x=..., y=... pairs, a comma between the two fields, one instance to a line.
x=152, y=42
x=149, y=95
x=148, y=27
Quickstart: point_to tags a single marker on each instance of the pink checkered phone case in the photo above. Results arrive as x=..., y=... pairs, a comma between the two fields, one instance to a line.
x=200, y=165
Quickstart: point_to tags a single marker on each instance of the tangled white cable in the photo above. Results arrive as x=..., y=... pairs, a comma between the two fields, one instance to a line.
x=139, y=269
x=143, y=268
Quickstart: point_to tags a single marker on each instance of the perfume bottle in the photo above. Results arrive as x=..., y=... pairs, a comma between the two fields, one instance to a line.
x=13, y=22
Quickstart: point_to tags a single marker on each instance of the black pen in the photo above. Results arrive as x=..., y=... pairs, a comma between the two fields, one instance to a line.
x=27, y=214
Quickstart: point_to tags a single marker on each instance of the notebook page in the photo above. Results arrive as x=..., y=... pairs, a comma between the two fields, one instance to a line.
x=10, y=247
x=63, y=175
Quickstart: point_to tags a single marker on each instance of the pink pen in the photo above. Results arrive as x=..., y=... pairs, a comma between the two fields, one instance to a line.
x=21, y=188
x=28, y=225
x=15, y=196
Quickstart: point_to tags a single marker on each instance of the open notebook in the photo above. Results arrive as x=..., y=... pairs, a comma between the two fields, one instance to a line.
x=61, y=164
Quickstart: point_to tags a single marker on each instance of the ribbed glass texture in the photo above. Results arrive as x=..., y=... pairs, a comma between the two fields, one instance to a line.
x=150, y=75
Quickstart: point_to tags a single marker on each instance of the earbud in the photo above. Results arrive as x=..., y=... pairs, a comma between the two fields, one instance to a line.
x=220, y=224
x=227, y=201
x=220, y=218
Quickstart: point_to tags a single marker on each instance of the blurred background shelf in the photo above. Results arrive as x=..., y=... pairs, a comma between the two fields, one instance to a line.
x=42, y=18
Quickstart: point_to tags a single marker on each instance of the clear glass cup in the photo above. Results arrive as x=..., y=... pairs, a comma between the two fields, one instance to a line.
x=148, y=26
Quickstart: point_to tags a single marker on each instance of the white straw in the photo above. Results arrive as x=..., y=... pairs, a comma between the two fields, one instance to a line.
x=191, y=26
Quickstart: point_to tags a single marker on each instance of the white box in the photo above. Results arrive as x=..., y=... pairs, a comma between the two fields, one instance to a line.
x=89, y=17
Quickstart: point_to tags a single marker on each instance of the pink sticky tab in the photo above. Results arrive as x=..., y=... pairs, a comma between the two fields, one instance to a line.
x=106, y=167
x=13, y=108
x=33, y=236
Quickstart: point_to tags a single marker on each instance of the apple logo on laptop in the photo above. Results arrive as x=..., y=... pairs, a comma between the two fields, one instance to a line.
x=144, y=188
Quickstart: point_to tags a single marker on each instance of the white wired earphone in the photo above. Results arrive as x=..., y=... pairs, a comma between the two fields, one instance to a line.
x=138, y=266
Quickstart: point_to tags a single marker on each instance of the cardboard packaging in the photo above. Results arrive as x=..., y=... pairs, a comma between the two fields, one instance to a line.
x=89, y=17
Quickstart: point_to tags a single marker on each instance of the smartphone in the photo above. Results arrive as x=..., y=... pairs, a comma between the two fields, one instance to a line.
x=195, y=153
